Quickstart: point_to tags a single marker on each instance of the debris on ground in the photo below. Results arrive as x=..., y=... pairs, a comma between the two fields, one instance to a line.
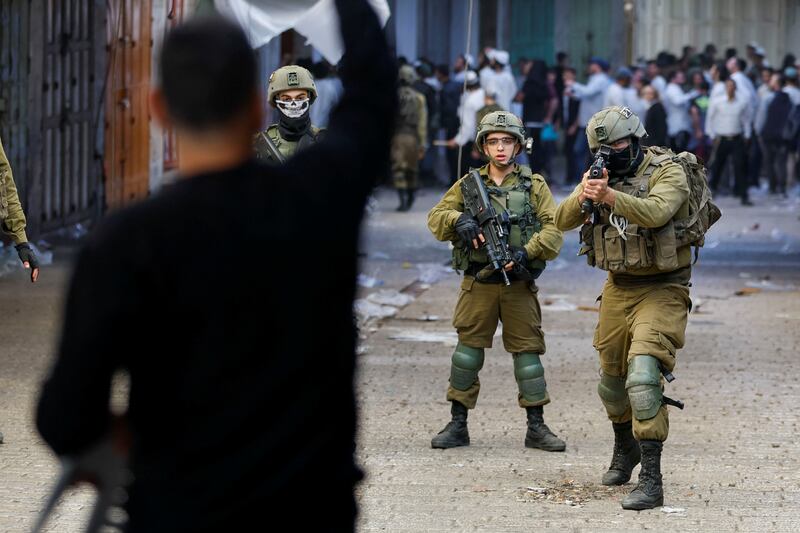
x=390, y=297
x=571, y=492
x=432, y=272
x=766, y=285
x=449, y=338
x=558, y=304
x=368, y=281
x=672, y=510
x=367, y=310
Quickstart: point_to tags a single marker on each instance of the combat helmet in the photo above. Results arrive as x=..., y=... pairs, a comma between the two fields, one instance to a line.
x=499, y=121
x=407, y=75
x=288, y=78
x=611, y=124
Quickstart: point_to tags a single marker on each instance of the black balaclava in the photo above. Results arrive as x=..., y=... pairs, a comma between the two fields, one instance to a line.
x=623, y=163
x=292, y=129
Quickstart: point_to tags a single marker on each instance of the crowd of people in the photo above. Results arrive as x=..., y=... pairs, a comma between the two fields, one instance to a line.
x=737, y=112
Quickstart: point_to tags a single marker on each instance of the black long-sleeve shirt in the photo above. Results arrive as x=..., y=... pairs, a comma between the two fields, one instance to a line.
x=228, y=299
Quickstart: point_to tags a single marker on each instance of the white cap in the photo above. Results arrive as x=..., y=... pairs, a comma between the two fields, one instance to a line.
x=471, y=77
x=501, y=56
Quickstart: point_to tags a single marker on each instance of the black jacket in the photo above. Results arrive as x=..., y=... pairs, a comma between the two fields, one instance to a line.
x=228, y=299
x=655, y=123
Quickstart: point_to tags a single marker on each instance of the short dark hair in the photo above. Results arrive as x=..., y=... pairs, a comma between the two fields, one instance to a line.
x=207, y=71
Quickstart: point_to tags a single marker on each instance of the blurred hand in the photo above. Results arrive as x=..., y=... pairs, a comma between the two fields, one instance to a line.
x=29, y=259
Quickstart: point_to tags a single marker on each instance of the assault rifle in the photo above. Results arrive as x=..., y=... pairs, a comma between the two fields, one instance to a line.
x=596, y=172
x=105, y=468
x=272, y=149
x=495, y=227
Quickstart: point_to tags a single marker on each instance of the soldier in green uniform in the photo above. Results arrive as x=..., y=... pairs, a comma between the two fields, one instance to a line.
x=638, y=203
x=291, y=90
x=410, y=137
x=13, y=219
x=534, y=239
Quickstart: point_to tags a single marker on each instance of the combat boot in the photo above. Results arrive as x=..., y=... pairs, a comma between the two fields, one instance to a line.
x=455, y=432
x=626, y=455
x=401, y=194
x=649, y=492
x=539, y=435
x=409, y=199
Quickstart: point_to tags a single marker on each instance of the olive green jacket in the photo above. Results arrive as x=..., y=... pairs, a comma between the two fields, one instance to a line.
x=544, y=245
x=666, y=199
x=285, y=147
x=13, y=219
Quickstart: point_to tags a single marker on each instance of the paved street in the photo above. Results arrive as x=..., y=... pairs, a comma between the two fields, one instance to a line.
x=732, y=462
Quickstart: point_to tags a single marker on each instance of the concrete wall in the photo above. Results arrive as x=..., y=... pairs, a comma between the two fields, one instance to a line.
x=671, y=24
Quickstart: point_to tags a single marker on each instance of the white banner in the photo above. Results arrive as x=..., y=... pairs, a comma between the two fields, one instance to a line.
x=316, y=20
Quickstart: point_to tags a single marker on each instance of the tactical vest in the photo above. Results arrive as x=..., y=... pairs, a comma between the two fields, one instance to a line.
x=516, y=201
x=289, y=148
x=614, y=245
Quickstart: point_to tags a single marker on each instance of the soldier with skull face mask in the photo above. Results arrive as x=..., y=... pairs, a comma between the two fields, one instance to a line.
x=291, y=90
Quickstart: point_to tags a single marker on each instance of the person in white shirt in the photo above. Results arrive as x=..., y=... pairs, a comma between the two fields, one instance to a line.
x=592, y=97
x=728, y=124
x=486, y=73
x=657, y=81
x=790, y=75
x=676, y=103
x=744, y=86
x=505, y=85
x=621, y=93
x=471, y=102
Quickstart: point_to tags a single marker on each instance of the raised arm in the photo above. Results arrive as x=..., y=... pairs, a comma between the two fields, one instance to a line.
x=356, y=147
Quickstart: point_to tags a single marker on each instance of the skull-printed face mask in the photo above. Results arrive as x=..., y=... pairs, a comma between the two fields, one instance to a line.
x=293, y=108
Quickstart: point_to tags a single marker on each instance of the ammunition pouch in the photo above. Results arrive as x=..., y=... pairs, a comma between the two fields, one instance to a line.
x=641, y=248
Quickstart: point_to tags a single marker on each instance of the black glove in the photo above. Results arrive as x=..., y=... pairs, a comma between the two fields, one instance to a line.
x=467, y=229
x=26, y=255
x=519, y=255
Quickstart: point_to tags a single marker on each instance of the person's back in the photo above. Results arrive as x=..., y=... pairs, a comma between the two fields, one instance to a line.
x=241, y=392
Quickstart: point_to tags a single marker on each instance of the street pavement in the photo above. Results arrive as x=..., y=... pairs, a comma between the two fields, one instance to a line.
x=732, y=461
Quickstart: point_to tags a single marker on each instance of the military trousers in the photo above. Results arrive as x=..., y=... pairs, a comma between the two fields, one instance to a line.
x=405, y=160
x=479, y=308
x=636, y=321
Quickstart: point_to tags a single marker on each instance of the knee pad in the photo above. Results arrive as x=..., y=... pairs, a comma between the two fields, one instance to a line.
x=611, y=390
x=465, y=366
x=529, y=372
x=644, y=386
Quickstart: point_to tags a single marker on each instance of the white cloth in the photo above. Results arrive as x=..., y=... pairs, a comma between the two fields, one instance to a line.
x=621, y=96
x=592, y=96
x=726, y=117
x=659, y=84
x=329, y=91
x=487, y=75
x=761, y=114
x=745, y=86
x=794, y=94
x=471, y=103
x=316, y=20
x=676, y=103
x=505, y=88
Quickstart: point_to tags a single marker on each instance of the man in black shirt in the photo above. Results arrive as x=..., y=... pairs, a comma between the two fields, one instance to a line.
x=241, y=366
